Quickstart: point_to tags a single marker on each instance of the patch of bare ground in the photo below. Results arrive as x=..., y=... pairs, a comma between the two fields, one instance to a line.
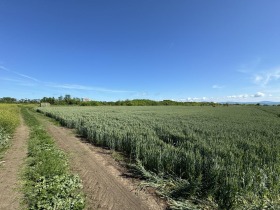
x=10, y=167
x=104, y=181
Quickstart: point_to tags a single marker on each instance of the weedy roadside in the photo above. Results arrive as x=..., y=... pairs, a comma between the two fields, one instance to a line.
x=49, y=183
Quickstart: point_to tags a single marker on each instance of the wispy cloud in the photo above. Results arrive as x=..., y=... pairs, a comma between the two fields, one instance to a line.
x=232, y=98
x=196, y=99
x=28, y=77
x=33, y=82
x=250, y=66
x=259, y=94
x=240, y=96
x=265, y=77
x=10, y=79
x=4, y=68
x=245, y=96
x=217, y=86
x=82, y=87
x=69, y=86
x=19, y=74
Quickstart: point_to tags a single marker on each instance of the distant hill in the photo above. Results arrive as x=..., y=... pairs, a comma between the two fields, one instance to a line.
x=269, y=103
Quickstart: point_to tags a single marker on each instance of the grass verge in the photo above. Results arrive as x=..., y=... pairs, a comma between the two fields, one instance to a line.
x=9, y=120
x=48, y=181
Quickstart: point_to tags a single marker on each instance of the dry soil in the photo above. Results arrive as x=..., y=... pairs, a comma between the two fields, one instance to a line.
x=105, y=186
x=10, y=168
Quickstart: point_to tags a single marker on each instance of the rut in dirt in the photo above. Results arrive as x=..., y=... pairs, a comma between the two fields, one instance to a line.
x=10, y=168
x=103, y=189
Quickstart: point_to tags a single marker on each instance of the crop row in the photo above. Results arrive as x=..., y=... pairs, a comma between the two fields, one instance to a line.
x=226, y=155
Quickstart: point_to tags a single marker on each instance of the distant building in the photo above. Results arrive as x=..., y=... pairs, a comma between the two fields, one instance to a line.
x=85, y=99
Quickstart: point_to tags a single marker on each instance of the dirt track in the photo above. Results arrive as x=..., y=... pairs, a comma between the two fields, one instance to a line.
x=11, y=164
x=104, y=186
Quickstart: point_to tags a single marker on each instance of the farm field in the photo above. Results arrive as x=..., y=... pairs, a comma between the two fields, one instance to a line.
x=9, y=120
x=226, y=157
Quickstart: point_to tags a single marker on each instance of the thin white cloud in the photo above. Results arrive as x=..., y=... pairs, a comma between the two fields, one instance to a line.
x=28, y=77
x=10, y=79
x=4, y=68
x=217, y=86
x=269, y=95
x=246, y=96
x=250, y=66
x=69, y=86
x=256, y=97
x=259, y=94
x=266, y=77
x=268, y=80
x=195, y=99
x=258, y=78
x=54, y=85
x=242, y=96
x=90, y=88
x=19, y=74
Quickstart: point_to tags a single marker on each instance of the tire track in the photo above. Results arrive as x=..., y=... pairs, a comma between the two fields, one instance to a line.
x=10, y=196
x=104, y=188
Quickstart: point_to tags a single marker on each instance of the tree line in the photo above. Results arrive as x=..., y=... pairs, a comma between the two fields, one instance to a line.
x=11, y=100
x=68, y=100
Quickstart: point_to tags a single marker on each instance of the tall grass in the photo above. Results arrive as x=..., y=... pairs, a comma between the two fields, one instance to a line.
x=228, y=156
x=9, y=120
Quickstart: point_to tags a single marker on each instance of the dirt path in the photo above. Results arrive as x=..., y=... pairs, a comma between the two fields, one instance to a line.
x=10, y=167
x=104, y=186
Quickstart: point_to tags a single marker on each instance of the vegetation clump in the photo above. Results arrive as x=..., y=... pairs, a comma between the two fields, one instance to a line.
x=49, y=183
x=9, y=120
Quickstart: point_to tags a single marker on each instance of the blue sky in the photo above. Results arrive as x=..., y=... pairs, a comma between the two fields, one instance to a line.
x=193, y=50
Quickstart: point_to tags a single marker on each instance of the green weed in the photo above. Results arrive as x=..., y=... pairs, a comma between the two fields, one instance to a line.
x=49, y=183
